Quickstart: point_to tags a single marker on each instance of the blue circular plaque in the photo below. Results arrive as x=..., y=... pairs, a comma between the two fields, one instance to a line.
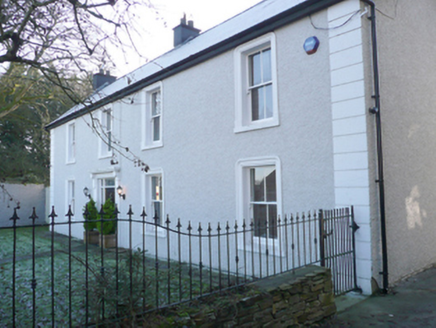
x=311, y=45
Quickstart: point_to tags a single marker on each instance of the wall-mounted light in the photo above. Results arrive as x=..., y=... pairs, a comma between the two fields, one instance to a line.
x=86, y=192
x=120, y=192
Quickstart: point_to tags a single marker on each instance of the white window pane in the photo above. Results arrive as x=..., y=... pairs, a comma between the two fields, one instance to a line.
x=108, y=121
x=255, y=69
x=157, y=212
x=71, y=142
x=266, y=65
x=255, y=105
x=110, y=182
x=156, y=128
x=268, y=101
x=272, y=220
x=155, y=103
x=271, y=189
x=156, y=188
x=109, y=141
x=259, y=219
x=257, y=184
x=110, y=194
x=261, y=93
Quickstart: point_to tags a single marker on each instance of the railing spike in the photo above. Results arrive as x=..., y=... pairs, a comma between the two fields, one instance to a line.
x=143, y=214
x=53, y=213
x=69, y=213
x=116, y=212
x=14, y=216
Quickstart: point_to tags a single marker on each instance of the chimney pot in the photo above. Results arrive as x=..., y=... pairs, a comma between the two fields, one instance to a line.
x=184, y=31
x=101, y=79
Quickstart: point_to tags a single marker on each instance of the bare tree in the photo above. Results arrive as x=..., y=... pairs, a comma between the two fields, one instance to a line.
x=61, y=38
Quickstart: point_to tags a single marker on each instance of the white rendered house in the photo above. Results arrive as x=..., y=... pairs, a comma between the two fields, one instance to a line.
x=244, y=109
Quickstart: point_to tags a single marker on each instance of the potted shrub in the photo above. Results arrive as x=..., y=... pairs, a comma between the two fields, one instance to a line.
x=90, y=214
x=108, y=227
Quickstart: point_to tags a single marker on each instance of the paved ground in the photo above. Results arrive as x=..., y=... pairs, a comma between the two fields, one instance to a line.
x=412, y=303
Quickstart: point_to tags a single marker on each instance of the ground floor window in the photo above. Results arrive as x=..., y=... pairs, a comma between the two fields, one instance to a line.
x=154, y=197
x=157, y=198
x=263, y=201
x=259, y=194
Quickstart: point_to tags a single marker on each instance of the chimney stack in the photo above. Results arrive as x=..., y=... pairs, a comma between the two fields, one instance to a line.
x=99, y=79
x=184, y=31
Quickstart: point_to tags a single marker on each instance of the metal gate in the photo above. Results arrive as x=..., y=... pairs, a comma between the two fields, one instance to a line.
x=337, y=229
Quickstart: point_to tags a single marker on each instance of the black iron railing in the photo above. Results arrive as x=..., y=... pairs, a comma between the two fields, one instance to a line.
x=49, y=277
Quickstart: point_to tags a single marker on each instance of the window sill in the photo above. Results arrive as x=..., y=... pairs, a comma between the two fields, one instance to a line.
x=257, y=126
x=152, y=146
x=105, y=156
x=150, y=230
x=70, y=162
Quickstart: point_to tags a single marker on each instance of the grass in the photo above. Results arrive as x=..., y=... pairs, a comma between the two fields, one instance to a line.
x=101, y=286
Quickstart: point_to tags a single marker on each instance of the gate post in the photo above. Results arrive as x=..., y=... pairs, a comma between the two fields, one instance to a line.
x=321, y=237
x=354, y=227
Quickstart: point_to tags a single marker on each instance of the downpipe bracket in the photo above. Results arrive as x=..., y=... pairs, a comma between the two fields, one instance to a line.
x=374, y=110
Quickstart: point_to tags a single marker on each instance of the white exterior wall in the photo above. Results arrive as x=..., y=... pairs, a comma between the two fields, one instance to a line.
x=349, y=120
x=200, y=148
x=321, y=142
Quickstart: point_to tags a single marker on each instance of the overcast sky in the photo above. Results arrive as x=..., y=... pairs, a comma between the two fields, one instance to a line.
x=157, y=30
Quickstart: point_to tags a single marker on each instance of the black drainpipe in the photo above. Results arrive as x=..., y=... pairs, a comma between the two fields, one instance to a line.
x=376, y=111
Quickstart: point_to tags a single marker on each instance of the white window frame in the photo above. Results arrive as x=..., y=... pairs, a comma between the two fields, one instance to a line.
x=70, y=198
x=71, y=143
x=148, y=117
x=243, y=191
x=243, y=121
x=148, y=203
x=106, y=137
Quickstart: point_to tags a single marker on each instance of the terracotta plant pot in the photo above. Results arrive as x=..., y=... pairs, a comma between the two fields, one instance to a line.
x=109, y=241
x=91, y=237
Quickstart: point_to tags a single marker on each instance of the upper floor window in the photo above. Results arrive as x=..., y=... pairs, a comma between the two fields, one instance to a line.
x=71, y=143
x=106, y=132
x=256, y=84
x=152, y=118
x=260, y=85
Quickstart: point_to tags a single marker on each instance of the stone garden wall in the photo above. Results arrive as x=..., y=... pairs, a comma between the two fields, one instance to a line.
x=293, y=299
